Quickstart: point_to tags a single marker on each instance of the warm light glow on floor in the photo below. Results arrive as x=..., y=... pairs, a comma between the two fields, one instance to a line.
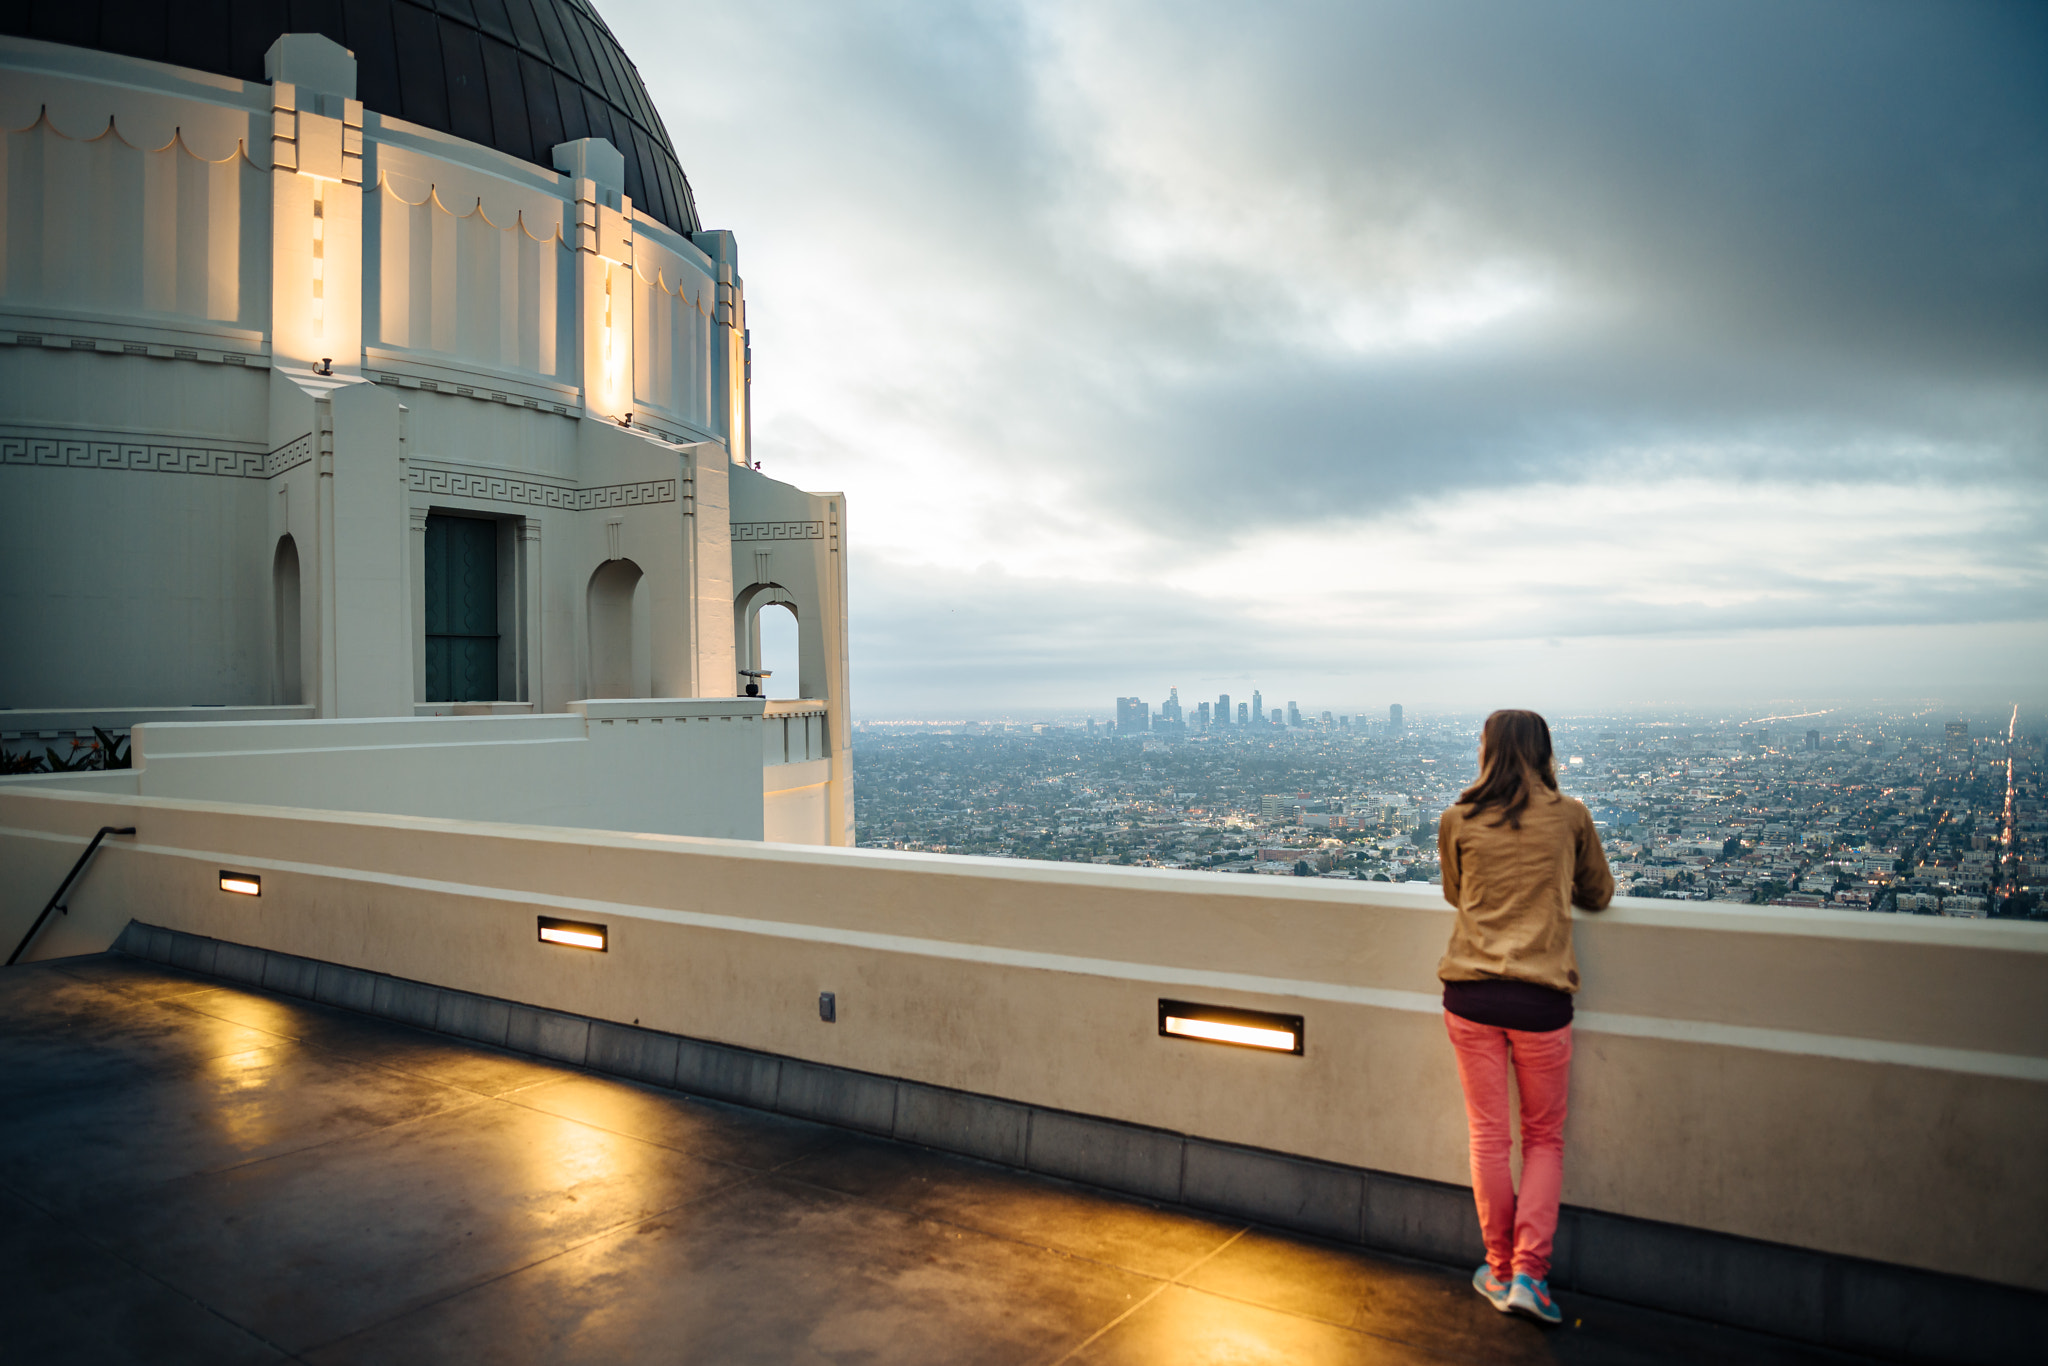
x=1231, y=1033
x=582, y=939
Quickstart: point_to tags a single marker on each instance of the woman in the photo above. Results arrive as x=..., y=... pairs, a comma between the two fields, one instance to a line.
x=1517, y=856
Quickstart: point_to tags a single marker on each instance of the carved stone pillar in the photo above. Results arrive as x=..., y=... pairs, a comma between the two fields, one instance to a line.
x=416, y=556
x=530, y=616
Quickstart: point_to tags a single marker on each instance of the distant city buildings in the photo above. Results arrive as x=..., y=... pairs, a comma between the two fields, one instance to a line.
x=1203, y=718
x=1876, y=818
x=1958, y=740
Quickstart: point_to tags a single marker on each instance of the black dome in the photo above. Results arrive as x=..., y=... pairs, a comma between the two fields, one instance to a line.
x=517, y=75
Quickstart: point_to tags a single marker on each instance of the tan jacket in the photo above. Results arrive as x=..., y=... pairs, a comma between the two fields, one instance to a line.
x=1514, y=890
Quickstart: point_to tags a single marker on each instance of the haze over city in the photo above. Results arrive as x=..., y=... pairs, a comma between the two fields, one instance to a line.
x=1629, y=357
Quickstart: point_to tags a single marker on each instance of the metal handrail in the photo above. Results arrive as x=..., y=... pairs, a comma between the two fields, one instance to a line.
x=57, y=898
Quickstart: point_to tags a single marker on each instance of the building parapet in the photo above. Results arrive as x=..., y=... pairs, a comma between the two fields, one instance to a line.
x=752, y=768
x=1795, y=1293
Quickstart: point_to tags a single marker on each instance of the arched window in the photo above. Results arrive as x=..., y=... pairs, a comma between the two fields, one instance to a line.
x=775, y=646
x=618, y=631
x=769, y=634
x=284, y=585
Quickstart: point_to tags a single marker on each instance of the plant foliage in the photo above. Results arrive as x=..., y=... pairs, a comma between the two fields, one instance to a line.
x=104, y=751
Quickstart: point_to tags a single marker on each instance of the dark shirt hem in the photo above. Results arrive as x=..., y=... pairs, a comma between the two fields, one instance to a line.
x=1504, y=1003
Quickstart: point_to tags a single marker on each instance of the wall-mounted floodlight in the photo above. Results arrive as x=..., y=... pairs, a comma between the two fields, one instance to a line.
x=1226, y=1024
x=244, y=884
x=576, y=934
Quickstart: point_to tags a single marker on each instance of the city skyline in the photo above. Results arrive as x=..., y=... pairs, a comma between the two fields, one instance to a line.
x=1791, y=716
x=1369, y=718
x=1698, y=362
x=1910, y=812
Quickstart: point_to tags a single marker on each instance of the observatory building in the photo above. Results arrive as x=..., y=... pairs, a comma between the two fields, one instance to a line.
x=385, y=374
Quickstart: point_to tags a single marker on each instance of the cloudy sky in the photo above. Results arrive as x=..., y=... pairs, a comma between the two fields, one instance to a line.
x=1565, y=355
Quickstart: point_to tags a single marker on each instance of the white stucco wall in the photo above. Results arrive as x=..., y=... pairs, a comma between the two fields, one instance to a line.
x=732, y=767
x=178, y=254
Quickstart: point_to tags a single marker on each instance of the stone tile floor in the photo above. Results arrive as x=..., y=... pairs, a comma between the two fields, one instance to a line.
x=193, y=1172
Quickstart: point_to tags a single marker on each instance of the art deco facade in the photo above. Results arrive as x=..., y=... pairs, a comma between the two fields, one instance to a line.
x=390, y=379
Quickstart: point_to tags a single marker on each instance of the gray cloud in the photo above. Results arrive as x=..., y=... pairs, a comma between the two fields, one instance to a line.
x=1071, y=298
x=1814, y=227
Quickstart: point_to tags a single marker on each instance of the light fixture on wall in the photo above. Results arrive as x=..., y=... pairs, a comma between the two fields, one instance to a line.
x=242, y=884
x=574, y=934
x=1261, y=1029
x=757, y=679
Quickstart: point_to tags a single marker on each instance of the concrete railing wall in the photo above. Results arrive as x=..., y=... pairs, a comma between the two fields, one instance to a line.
x=738, y=768
x=29, y=722
x=36, y=731
x=1869, y=1087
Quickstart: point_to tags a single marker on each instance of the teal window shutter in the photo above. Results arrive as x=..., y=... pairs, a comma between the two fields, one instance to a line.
x=462, y=609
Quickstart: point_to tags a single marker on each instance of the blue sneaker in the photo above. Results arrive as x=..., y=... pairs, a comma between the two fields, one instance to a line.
x=1491, y=1286
x=1530, y=1298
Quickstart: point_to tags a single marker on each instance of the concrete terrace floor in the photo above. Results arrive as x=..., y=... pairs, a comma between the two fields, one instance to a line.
x=193, y=1172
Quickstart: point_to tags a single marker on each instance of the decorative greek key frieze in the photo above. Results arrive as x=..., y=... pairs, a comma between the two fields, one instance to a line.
x=497, y=488
x=778, y=531
x=627, y=495
x=73, y=451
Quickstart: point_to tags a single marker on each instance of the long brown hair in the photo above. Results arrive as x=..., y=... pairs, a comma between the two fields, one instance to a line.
x=1514, y=753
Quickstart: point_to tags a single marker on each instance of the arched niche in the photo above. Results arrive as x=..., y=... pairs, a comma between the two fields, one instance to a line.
x=796, y=673
x=287, y=603
x=620, y=627
x=777, y=646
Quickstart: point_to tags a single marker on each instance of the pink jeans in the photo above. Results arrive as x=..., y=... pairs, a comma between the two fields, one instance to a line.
x=1518, y=1232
